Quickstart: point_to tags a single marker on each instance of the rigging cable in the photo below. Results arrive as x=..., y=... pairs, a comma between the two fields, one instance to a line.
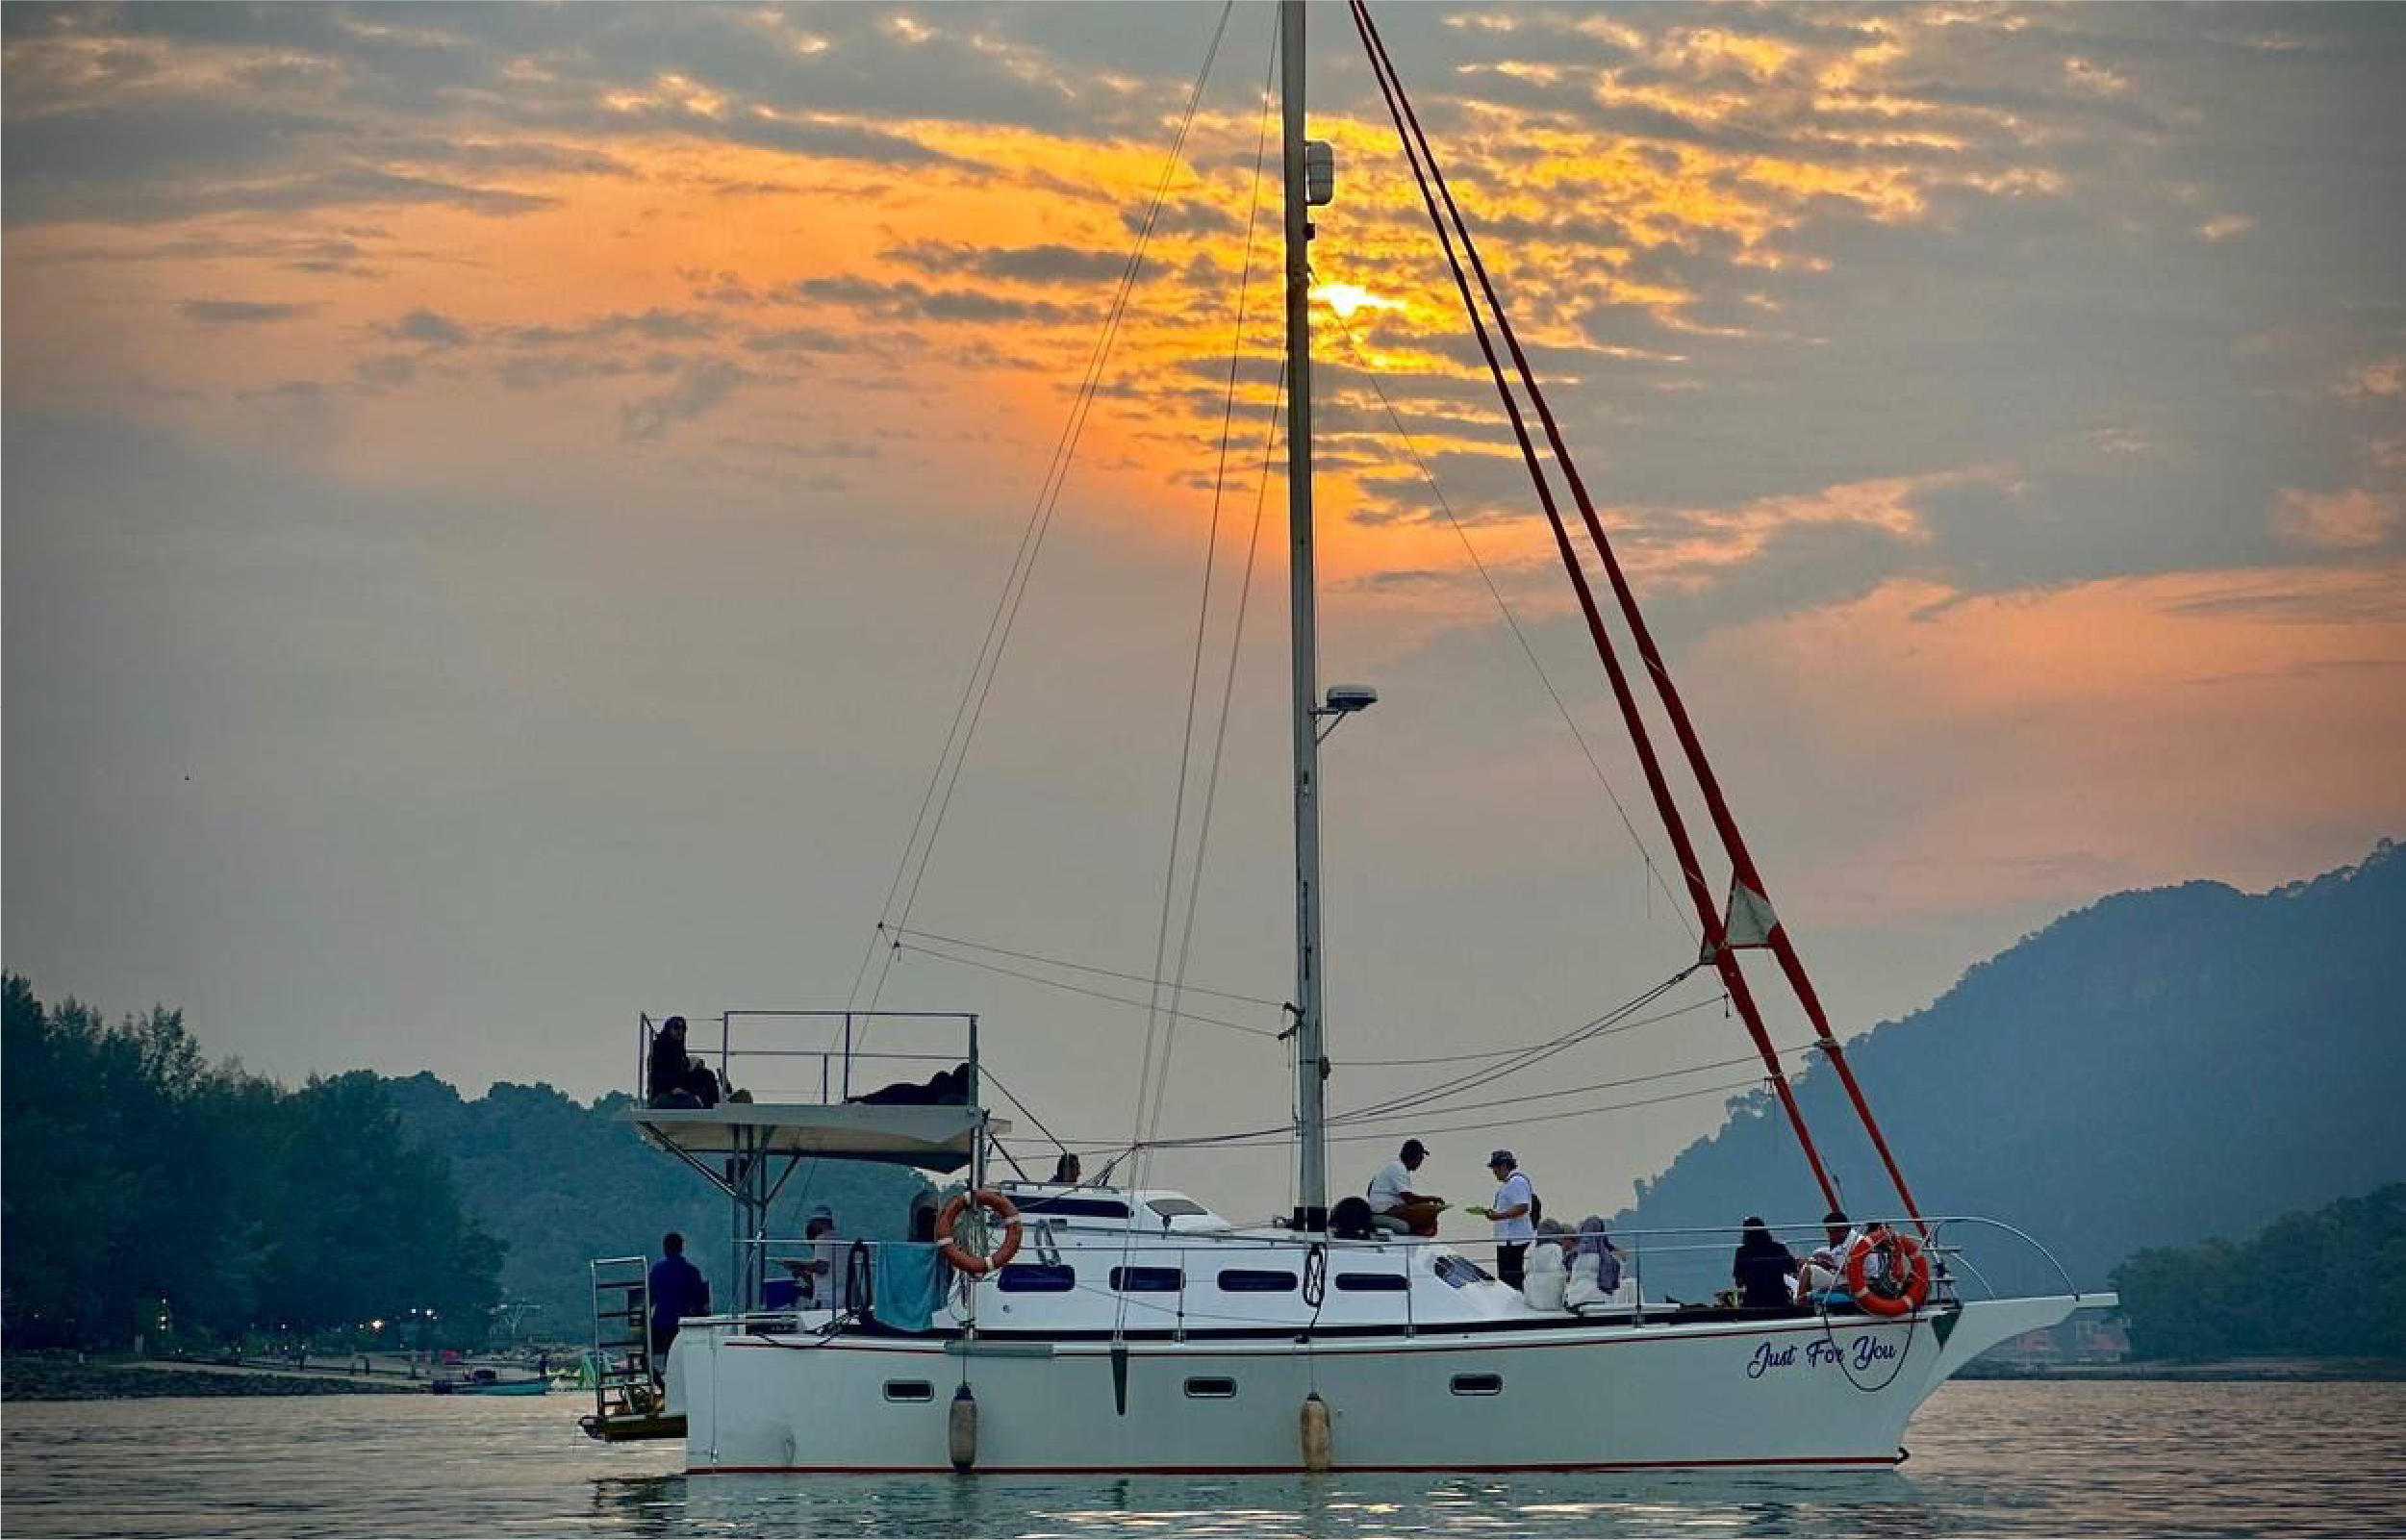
x=967, y=715
x=1153, y=1084
x=1715, y=949
x=1073, y=988
x=1653, y=872
x=1085, y=967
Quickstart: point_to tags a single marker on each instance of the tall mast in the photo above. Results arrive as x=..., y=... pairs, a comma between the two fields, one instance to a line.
x=1310, y=1055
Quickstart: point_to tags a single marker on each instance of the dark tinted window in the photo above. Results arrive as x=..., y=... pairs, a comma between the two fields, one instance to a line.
x=909, y=1390
x=1214, y=1388
x=1148, y=1279
x=1372, y=1282
x=1255, y=1281
x=1038, y=1278
x=1460, y=1271
x=1076, y=1207
x=1478, y=1385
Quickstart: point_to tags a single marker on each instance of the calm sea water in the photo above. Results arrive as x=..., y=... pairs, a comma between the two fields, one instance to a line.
x=1989, y=1458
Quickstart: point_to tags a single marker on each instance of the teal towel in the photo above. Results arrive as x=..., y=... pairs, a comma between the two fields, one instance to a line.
x=911, y=1281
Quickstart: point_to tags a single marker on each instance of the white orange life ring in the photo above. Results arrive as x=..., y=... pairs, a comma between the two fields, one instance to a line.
x=1902, y=1286
x=961, y=1257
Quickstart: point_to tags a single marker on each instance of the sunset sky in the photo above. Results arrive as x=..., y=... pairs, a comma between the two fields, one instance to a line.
x=501, y=505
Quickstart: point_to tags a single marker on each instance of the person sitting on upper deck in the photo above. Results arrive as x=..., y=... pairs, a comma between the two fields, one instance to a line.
x=672, y=1077
x=678, y=1290
x=1549, y=1273
x=1394, y=1207
x=1595, y=1276
x=1762, y=1270
x=1068, y=1171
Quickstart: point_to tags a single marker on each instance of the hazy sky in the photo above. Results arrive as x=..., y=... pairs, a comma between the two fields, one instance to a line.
x=500, y=504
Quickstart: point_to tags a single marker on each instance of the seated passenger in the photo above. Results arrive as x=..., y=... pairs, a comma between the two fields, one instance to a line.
x=673, y=1079
x=1822, y=1279
x=1068, y=1171
x=1548, y=1277
x=1394, y=1206
x=1762, y=1270
x=1595, y=1279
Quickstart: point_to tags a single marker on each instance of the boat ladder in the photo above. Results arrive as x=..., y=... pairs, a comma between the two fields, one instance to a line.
x=629, y=1401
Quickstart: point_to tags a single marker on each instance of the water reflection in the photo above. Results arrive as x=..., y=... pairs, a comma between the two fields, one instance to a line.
x=2127, y=1459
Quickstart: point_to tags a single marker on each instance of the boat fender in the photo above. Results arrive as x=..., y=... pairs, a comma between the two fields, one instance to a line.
x=961, y=1429
x=1314, y=1428
x=1903, y=1285
x=961, y=1257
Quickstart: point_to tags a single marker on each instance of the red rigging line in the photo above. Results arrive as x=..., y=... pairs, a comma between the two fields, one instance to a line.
x=1723, y=958
x=1742, y=861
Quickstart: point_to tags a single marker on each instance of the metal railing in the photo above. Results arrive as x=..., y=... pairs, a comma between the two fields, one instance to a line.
x=1675, y=1252
x=834, y=1063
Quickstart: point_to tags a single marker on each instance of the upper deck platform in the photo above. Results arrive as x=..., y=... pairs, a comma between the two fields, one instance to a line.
x=899, y=1088
x=937, y=1139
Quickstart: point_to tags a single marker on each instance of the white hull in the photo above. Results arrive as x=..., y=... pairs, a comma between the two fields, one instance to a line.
x=1789, y=1392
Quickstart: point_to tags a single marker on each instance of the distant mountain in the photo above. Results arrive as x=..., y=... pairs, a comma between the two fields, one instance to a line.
x=561, y=1183
x=2159, y=1068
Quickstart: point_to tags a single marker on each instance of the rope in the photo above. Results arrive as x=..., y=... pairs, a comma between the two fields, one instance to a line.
x=1653, y=872
x=1502, y=1053
x=1152, y=1085
x=1087, y=968
x=967, y=715
x=1073, y=988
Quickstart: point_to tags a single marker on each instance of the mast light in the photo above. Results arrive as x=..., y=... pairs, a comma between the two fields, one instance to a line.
x=1319, y=172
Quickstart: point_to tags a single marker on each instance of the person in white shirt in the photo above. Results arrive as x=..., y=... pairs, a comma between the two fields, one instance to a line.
x=1822, y=1279
x=1514, y=1213
x=1394, y=1207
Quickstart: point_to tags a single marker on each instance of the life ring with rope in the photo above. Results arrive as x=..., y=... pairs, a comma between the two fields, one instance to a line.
x=1903, y=1284
x=973, y=1263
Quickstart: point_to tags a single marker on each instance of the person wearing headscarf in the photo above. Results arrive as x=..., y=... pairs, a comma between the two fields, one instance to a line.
x=1595, y=1275
x=1762, y=1270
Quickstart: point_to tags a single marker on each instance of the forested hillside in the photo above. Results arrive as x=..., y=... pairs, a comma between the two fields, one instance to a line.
x=2155, y=1069
x=149, y=1193
x=2223, y=1299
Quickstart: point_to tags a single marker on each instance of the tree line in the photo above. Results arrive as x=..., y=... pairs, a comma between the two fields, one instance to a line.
x=144, y=1191
x=2307, y=1285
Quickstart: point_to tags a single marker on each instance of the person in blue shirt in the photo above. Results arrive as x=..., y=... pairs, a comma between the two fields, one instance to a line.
x=678, y=1290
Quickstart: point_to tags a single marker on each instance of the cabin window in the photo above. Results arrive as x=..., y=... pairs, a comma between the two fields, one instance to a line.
x=909, y=1390
x=1478, y=1385
x=1210, y=1388
x=1174, y=1207
x=1148, y=1279
x=1076, y=1207
x=1037, y=1277
x=1372, y=1282
x=1256, y=1280
x=1460, y=1271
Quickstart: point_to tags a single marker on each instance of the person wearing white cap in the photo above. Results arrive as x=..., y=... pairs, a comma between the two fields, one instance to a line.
x=1514, y=1213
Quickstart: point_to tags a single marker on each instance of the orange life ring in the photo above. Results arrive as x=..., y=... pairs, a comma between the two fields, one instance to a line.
x=1902, y=1286
x=959, y=1256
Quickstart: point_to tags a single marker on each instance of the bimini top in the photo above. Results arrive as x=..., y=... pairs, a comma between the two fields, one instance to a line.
x=930, y=1138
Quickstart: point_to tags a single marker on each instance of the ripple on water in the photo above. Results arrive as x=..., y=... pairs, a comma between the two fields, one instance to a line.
x=1991, y=1458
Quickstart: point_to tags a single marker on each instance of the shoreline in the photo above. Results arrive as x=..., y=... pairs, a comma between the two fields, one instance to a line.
x=2261, y=1370
x=57, y=1378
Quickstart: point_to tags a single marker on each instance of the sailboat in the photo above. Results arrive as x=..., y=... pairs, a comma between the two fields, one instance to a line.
x=1088, y=1326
